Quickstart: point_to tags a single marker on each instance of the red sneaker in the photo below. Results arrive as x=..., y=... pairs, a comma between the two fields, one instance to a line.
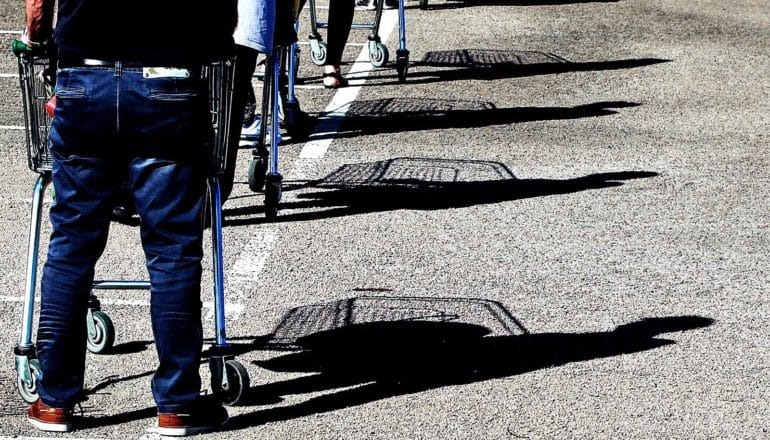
x=45, y=418
x=197, y=421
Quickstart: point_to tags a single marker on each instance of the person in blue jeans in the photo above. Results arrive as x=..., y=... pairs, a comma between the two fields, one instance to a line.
x=130, y=102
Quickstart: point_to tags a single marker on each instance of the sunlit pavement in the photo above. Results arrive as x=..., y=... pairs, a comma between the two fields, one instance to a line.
x=557, y=227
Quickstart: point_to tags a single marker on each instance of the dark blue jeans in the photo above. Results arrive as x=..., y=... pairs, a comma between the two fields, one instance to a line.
x=113, y=124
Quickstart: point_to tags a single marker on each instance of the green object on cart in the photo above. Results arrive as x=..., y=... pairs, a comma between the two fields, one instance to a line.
x=19, y=47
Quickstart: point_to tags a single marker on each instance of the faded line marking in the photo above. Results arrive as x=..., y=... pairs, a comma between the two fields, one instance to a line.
x=251, y=260
x=232, y=309
x=3, y=437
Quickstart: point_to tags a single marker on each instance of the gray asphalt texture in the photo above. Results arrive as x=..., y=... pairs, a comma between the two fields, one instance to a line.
x=556, y=228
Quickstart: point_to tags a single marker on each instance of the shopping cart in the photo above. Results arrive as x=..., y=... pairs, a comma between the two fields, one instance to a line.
x=229, y=379
x=378, y=51
x=263, y=170
x=279, y=103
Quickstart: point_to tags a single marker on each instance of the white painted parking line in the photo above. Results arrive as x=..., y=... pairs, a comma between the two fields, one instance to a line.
x=253, y=256
x=2, y=437
x=232, y=309
x=12, y=127
x=6, y=32
x=9, y=75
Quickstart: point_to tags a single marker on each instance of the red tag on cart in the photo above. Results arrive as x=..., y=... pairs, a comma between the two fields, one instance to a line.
x=50, y=106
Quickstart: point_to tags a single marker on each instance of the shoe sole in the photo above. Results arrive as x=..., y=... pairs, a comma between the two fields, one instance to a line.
x=50, y=427
x=187, y=430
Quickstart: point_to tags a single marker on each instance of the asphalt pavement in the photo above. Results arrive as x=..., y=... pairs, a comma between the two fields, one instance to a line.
x=557, y=227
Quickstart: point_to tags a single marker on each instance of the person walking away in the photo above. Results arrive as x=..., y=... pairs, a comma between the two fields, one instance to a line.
x=130, y=102
x=338, y=30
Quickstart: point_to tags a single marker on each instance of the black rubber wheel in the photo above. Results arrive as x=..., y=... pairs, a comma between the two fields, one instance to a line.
x=423, y=4
x=296, y=121
x=318, y=57
x=257, y=171
x=102, y=337
x=379, y=56
x=273, y=194
x=28, y=391
x=237, y=384
x=402, y=65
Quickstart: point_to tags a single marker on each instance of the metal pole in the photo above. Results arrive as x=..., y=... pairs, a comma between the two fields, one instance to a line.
x=276, y=84
x=25, y=339
x=402, y=24
x=216, y=244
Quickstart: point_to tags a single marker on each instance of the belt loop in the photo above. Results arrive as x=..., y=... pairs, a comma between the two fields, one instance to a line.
x=118, y=68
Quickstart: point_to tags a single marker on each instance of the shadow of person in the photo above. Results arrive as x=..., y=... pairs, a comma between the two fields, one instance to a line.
x=373, y=361
x=421, y=195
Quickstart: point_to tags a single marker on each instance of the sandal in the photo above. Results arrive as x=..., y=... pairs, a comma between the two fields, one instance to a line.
x=338, y=80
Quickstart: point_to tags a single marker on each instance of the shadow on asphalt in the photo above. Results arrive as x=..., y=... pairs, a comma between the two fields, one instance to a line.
x=398, y=115
x=130, y=347
x=456, y=4
x=369, y=361
x=489, y=64
x=419, y=184
x=370, y=348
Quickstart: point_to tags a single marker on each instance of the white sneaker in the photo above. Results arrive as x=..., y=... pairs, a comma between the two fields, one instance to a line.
x=366, y=5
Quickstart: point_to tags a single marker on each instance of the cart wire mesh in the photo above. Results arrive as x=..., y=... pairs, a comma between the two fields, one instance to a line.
x=220, y=77
x=36, y=89
x=37, y=86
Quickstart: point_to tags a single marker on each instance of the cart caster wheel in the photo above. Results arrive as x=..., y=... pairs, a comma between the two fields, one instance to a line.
x=378, y=54
x=257, y=171
x=237, y=384
x=273, y=194
x=402, y=64
x=28, y=389
x=318, y=57
x=423, y=4
x=101, y=332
